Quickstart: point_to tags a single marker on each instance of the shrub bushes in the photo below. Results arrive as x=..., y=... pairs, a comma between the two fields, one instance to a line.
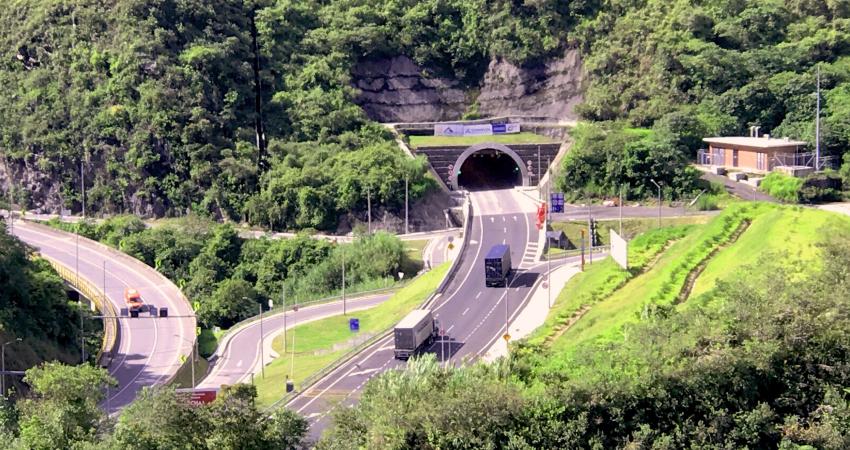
x=782, y=187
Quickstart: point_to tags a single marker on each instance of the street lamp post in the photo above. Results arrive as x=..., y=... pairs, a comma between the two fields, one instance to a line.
x=262, y=341
x=344, y=310
x=406, y=221
x=3, y=363
x=659, y=200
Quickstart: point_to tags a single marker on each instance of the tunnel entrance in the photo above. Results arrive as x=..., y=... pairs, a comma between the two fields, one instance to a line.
x=489, y=169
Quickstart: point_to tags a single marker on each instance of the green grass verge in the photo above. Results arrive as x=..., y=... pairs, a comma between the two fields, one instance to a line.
x=413, y=261
x=631, y=227
x=792, y=231
x=183, y=379
x=318, y=344
x=660, y=285
x=516, y=138
x=601, y=279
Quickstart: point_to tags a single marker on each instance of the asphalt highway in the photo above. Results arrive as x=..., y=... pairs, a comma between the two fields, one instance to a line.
x=239, y=356
x=149, y=350
x=471, y=316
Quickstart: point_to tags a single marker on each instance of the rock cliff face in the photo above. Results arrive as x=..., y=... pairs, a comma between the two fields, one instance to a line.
x=398, y=90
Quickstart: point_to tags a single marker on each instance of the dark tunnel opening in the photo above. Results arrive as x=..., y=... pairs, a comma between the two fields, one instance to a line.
x=489, y=169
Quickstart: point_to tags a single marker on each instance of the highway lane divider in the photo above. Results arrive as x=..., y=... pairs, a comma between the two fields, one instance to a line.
x=98, y=297
x=308, y=383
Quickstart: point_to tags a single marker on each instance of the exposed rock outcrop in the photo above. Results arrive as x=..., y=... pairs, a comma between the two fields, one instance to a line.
x=398, y=90
x=550, y=90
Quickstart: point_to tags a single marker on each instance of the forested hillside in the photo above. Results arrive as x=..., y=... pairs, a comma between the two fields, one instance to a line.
x=35, y=308
x=246, y=110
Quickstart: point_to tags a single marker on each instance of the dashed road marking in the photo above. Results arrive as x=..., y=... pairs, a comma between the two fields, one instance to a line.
x=478, y=294
x=464, y=312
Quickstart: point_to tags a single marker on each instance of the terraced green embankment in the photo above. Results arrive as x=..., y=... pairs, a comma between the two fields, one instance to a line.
x=672, y=265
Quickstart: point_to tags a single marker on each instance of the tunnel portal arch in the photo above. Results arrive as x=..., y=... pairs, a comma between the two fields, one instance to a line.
x=487, y=146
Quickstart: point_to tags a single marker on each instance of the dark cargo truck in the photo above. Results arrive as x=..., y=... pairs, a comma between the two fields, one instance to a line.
x=497, y=265
x=416, y=329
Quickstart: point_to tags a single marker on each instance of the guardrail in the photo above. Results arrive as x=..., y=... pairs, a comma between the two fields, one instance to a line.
x=131, y=260
x=321, y=373
x=98, y=297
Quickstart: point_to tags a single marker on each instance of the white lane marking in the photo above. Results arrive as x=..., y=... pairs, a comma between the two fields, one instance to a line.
x=464, y=312
x=337, y=380
x=239, y=364
x=478, y=294
x=506, y=229
x=450, y=329
x=472, y=242
x=515, y=219
x=492, y=219
x=364, y=372
x=504, y=219
x=125, y=266
x=477, y=252
x=504, y=241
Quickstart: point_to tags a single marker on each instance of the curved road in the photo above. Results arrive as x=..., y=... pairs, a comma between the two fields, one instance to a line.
x=239, y=356
x=149, y=349
x=471, y=315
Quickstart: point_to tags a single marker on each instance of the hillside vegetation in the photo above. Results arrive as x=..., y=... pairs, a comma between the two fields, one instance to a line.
x=245, y=109
x=230, y=277
x=34, y=307
x=753, y=357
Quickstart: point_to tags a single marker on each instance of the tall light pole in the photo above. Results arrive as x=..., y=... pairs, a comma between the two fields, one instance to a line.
x=3, y=358
x=262, y=336
x=342, y=251
x=406, y=222
x=369, y=206
x=659, y=200
x=817, y=125
x=283, y=300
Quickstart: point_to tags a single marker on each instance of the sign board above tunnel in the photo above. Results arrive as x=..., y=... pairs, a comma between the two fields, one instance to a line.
x=456, y=129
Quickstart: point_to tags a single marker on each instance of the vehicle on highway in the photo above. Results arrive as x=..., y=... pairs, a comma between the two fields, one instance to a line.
x=133, y=299
x=416, y=330
x=497, y=266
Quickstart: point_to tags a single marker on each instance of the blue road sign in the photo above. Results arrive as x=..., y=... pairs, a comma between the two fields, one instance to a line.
x=354, y=324
x=556, y=202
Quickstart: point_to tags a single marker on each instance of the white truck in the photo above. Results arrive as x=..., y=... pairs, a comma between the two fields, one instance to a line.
x=416, y=329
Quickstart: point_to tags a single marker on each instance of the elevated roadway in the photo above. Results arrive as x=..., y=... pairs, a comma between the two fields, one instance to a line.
x=149, y=350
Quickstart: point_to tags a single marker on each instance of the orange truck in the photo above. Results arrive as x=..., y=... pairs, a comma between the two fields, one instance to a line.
x=133, y=299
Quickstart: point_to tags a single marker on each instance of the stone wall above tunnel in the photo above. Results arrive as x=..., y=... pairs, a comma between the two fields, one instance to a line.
x=442, y=157
x=398, y=90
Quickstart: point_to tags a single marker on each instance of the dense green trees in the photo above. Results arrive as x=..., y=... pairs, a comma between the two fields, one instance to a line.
x=35, y=306
x=63, y=412
x=607, y=157
x=759, y=362
x=230, y=276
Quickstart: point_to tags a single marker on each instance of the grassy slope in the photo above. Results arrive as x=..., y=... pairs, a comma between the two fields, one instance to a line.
x=516, y=138
x=792, y=230
x=659, y=285
x=319, y=343
x=631, y=227
x=601, y=279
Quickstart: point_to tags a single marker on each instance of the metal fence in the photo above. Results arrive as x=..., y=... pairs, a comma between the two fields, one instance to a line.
x=706, y=158
x=807, y=159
